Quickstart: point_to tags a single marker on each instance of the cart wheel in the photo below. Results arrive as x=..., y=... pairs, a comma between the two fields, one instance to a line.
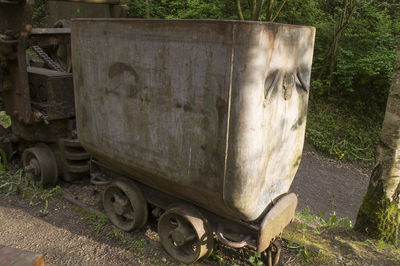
x=125, y=205
x=40, y=164
x=185, y=235
x=272, y=254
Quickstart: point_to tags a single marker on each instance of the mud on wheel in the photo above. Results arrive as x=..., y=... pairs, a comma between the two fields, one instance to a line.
x=125, y=205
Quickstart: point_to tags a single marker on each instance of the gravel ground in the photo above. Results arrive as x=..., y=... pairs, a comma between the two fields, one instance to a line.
x=68, y=242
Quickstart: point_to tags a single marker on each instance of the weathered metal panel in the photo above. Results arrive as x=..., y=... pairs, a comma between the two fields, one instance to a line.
x=184, y=106
x=52, y=93
x=270, y=84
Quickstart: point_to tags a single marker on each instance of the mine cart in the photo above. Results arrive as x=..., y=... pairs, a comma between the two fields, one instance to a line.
x=203, y=121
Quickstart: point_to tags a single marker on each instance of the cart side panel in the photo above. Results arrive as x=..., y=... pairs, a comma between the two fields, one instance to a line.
x=152, y=101
x=272, y=67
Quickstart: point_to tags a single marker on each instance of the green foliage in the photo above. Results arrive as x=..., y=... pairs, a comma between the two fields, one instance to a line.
x=346, y=124
x=381, y=245
x=40, y=13
x=255, y=259
x=366, y=57
x=5, y=120
x=309, y=222
x=11, y=182
x=366, y=53
x=216, y=257
x=98, y=221
x=321, y=223
x=3, y=161
x=342, y=131
x=259, y=9
x=115, y=233
x=17, y=183
x=304, y=253
x=307, y=255
x=177, y=9
x=38, y=194
x=134, y=244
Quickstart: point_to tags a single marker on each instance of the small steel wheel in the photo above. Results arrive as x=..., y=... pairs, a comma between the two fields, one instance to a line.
x=125, y=205
x=40, y=164
x=185, y=234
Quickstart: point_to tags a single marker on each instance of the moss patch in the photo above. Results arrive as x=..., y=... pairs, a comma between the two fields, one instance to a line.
x=378, y=216
x=331, y=245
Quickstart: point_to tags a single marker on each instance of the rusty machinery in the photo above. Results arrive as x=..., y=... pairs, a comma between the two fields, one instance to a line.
x=37, y=89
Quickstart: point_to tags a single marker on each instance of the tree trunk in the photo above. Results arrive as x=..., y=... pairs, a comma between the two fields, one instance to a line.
x=378, y=216
x=147, y=4
x=349, y=7
x=268, y=14
x=239, y=9
x=255, y=9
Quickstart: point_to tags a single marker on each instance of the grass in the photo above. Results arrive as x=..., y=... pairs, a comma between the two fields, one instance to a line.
x=97, y=221
x=15, y=182
x=320, y=240
x=343, y=132
x=255, y=259
x=323, y=222
x=129, y=242
x=5, y=120
x=135, y=244
x=320, y=224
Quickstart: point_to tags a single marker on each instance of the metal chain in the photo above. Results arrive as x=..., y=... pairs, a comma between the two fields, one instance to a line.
x=50, y=62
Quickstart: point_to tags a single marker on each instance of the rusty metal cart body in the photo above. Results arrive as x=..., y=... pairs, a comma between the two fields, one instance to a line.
x=206, y=119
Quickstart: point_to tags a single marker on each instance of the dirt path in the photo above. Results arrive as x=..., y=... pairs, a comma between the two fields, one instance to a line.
x=66, y=236
x=319, y=180
x=61, y=236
